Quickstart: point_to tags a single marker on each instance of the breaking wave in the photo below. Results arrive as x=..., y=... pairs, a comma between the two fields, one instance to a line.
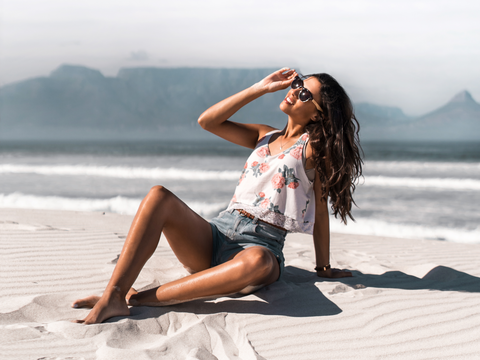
x=129, y=206
x=424, y=183
x=118, y=204
x=364, y=226
x=125, y=172
x=122, y=172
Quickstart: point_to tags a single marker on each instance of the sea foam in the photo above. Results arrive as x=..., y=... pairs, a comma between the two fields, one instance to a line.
x=123, y=172
x=422, y=166
x=157, y=173
x=424, y=183
x=365, y=226
x=129, y=206
x=118, y=204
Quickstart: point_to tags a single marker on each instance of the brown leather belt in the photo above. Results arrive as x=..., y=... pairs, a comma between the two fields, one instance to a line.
x=250, y=216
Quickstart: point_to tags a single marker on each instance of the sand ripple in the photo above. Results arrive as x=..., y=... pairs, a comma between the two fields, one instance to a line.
x=408, y=299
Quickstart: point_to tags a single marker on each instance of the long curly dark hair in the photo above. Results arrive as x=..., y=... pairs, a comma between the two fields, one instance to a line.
x=336, y=146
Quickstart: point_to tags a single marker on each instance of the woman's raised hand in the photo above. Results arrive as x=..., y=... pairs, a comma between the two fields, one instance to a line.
x=279, y=80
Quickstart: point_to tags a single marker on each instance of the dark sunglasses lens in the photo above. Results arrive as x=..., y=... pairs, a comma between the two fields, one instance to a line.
x=305, y=95
x=297, y=83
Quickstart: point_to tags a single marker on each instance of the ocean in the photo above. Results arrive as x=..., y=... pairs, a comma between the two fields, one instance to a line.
x=409, y=190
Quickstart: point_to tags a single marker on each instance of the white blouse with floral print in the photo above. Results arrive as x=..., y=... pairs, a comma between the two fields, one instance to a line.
x=276, y=188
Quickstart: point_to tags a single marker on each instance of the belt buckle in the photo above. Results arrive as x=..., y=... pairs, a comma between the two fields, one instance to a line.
x=246, y=214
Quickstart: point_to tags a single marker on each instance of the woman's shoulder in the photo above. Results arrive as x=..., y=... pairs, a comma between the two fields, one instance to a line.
x=265, y=131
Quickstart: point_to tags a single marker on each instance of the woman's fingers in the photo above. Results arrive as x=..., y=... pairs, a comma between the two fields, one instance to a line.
x=286, y=71
x=278, y=80
x=282, y=74
x=334, y=273
x=337, y=273
x=282, y=78
x=287, y=74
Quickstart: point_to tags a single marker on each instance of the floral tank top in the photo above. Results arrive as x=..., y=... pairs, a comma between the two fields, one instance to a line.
x=276, y=188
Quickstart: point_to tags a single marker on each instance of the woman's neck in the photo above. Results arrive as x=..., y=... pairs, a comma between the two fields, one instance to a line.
x=292, y=130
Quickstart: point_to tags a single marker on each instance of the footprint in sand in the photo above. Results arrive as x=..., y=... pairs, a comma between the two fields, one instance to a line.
x=339, y=289
x=58, y=358
x=361, y=289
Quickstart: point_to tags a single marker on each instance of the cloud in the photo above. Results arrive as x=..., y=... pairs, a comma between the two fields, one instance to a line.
x=140, y=55
x=409, y=53
x=70, y=43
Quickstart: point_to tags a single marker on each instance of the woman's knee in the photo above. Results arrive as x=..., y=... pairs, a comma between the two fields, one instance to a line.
x=159, y=193
x=159, y=198
x=260, y=262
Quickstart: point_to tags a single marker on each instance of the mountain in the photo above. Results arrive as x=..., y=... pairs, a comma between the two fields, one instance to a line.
x=371, y=114
x=376, y=120
x=458, y=120
x=78, y=102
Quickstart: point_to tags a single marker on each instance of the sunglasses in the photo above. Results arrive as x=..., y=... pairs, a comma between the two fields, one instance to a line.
x=304, y=95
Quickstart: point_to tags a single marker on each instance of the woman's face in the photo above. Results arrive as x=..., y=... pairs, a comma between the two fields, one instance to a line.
x=297, y=109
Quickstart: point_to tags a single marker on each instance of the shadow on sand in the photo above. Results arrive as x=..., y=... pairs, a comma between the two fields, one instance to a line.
x=440, y=278
x=297, y=296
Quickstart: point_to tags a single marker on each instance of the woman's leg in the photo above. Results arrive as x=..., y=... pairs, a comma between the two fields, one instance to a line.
x=189, y=235
x=252, y=267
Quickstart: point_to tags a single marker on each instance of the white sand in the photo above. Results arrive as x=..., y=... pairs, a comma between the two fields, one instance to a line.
x=408, y=299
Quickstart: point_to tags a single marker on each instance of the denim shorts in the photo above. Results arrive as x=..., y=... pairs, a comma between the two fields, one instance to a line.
x=233, y=232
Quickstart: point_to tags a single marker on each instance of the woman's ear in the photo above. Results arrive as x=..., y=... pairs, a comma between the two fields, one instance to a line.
x=316, y=117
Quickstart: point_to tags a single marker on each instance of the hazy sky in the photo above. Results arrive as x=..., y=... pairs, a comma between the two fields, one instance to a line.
x=411, y=54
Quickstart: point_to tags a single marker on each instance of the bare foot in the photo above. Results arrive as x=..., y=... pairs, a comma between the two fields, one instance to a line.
x=130, y=301
x=105, y=308
x=88, y=302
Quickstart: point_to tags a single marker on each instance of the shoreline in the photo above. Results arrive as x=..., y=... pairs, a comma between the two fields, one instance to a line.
x=408, y=298
x=362, y=226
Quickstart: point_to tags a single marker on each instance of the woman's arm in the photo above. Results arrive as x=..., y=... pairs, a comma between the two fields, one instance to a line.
x=321, y=235
x=215, y=118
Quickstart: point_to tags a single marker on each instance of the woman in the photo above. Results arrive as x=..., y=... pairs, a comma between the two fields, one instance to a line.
x=284, y=187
